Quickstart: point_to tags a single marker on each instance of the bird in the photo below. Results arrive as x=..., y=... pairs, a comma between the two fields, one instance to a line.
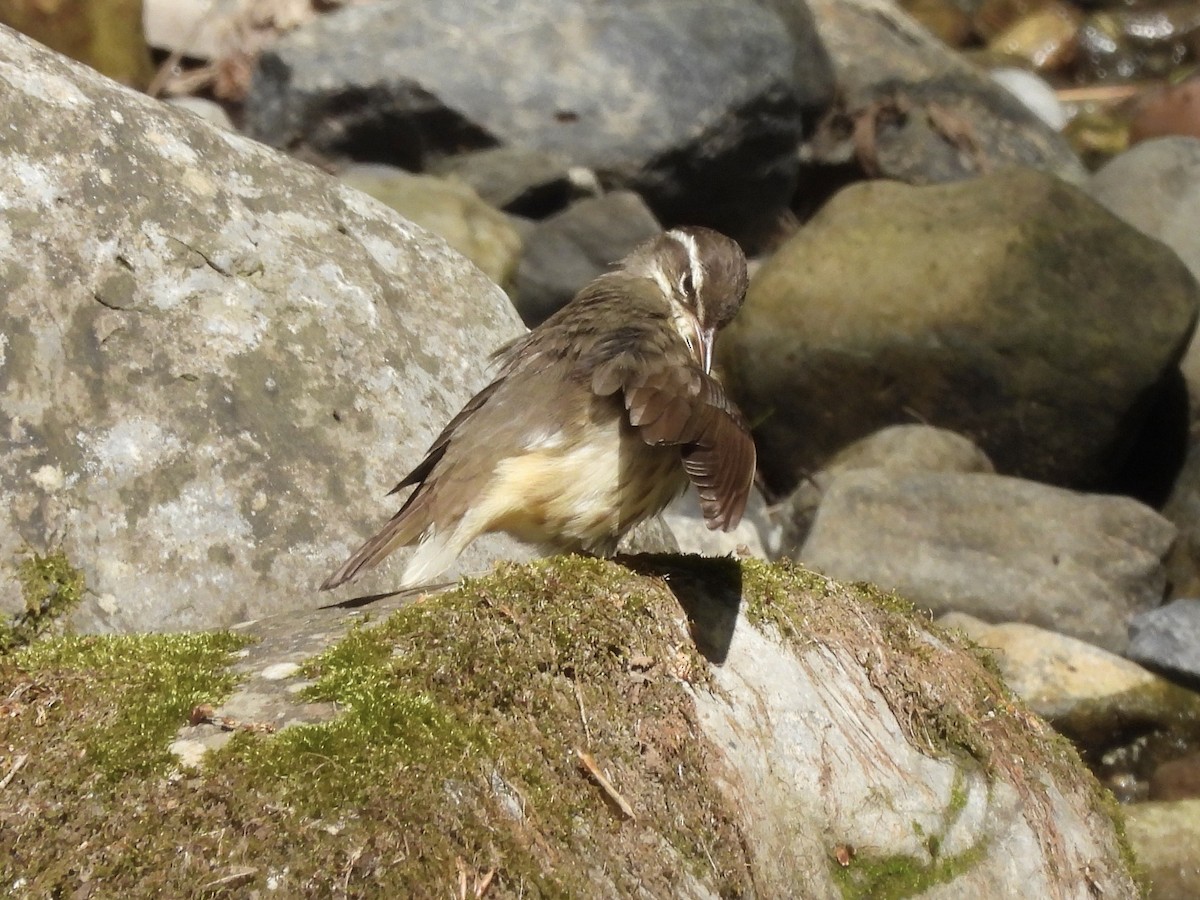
x=596, y=419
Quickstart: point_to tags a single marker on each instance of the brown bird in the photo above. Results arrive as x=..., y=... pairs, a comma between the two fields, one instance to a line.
x=597, y=419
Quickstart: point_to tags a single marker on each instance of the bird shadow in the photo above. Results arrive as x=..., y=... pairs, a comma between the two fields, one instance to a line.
x=709, y=589
x=402, y=593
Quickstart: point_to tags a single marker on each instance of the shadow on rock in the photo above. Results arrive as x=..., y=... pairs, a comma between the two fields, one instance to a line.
x=708, y=588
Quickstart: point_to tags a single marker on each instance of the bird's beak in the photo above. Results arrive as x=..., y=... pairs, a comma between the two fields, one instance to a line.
x=705, y=336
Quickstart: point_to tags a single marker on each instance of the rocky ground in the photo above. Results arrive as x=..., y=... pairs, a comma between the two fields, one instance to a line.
x=969, y=363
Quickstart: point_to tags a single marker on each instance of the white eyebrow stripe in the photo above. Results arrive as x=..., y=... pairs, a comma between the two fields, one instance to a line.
x=664, y=283
x=693, y=251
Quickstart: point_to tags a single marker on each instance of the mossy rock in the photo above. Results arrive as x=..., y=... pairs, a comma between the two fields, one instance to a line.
x=660, y=726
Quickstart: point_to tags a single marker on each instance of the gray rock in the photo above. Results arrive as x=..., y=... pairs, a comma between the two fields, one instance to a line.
x=1168, y=638
x=451, y=210
x=692, y=104
x=897, y=449
x=1000, y=308
x=1035, y=92
x=911, y=448
x=815, y=79
x=569, y=249
x=1108, y=706
x=1155, y=186
x=201, y=29
x=1164, y=838
x=214, y=361
x=1001, y=549
x=819, y=714
x=212, y=113
x=930, y=116
x=517, y=181
x=751, y=537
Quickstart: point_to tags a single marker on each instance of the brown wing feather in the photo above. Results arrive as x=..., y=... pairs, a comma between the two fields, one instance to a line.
x=672, y=401
x=716, y=447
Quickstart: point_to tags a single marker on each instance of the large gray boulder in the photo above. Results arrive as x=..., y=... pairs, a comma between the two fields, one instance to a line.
x=691, y=103
x=1002, y=549
x=700, y=729
x=898, y=449
x=214, y=361
x=1012, y=309
x=914, y=110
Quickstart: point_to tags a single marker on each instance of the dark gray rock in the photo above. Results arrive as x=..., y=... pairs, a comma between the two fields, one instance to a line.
x=1183, y=508
x=1168, y=638
x=825, y=716
x=692, y=103
x=569, y=249
x=214, y=361
x=1000, y=549
x=1155, y=187
x=1012, y=309
x=914, y=110
x=815, y=79
x=897, y=449
x=517, y=181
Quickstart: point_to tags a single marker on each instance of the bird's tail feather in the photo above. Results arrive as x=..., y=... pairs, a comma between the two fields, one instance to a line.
x=406, y=527
x=434, y=555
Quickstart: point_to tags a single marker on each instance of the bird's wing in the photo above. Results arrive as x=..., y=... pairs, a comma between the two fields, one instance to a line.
x=438, y=448
x=671, y=400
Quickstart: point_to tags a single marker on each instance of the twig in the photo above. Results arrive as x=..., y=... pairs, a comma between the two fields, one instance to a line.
x=1101, y=93
x=607, y=786
x=16, y=767
x=204, y=714
x=587, y=733
x=349, y=869
x=237, y=877
x=479, y=885
x=482, y=886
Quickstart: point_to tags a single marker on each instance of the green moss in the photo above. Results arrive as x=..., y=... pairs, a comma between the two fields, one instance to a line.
x=892, y=877
x=456, y=747
x=789, y=598
x=1141, y=877
x=896, y=877
x=473, y=707
x=50, y=587
x=149, y=682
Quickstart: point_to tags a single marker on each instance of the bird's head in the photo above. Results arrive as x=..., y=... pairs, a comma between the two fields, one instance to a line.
x=702, y=274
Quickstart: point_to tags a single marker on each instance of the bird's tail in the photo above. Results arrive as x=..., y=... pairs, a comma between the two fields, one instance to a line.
x=406, y=527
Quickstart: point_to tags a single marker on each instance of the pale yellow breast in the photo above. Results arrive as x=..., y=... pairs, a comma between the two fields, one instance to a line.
x=581, y=487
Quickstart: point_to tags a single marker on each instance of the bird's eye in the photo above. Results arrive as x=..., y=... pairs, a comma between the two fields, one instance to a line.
x=686, y=286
